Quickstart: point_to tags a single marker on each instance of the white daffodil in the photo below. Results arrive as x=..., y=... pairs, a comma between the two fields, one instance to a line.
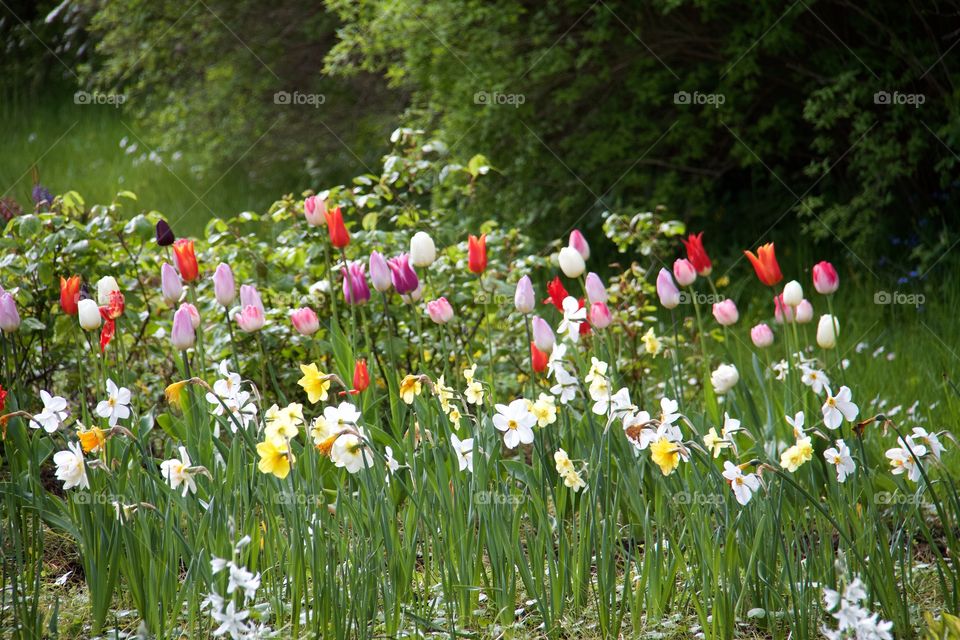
x=600, y=394
x=598, y=369
x=566, y=387
x=730, y=425
x=902, y=461
x=178, y=473
x=815, y=379
x=516, y=421
x=474, y=392
x=53, y=414
x=931, y=440
x=544, y=409
x=839, y=457
x=556, y=358
x=669, y=411
x=117, y=405
x=464, y=451
x=71, y=469
x=796, y=422
x=283, y=424
x=392, y=464
x=724, y=378
x=573, y=317
x=743, y=484
x=715, y=442
x=837, y=408
x=781, y=369
x=351, y=452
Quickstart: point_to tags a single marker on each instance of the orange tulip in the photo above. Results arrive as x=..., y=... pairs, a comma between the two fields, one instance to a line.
x=765, y=264
x=477, y=253
x=69, y=294
x=339, y=237
x=186, y=259
x=538, y=358
x=361, y=377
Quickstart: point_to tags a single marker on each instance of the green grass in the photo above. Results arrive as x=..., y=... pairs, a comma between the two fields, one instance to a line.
x=78, y=147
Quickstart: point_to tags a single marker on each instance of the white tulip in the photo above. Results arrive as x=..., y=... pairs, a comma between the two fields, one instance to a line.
x=89, y=314
x=792, y=293
x=571, y=262
x=724, y=378
x=422, y=250
x=105, y=286
x=827, y=331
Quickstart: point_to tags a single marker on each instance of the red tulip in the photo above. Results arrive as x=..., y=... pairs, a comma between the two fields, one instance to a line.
x=556, y=293
x=477, y=253
x=3, y=398
x=765, y=264
x=697, y=255
x=107, y=332
x=538, y=358
x=339, y=237
x=113, y=309
x=361, y=377
x=186, y=259
x=825, y=278
x=69, y=294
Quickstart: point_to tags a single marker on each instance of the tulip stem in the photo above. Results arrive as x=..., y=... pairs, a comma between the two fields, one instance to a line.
x=486, y=321
x=333, y=289
x=352, y=302
x=529, y=349
x=233, y=340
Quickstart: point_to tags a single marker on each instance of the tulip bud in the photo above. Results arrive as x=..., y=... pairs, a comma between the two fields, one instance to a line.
x=477, y=253
x=355, y=289
x=361, y=377
x=165, y=236
x=827, y=331
x=762, y=335
x=422, y=250
x=543, y=336
x=782, y=312
x=250, y=297
x=523, y=299
x=600, y=316
x=305, y=321
x=339, y=236
x=579, y=243
x=571, y=262
x=69, y=294
x=194, y=314
x=792, y=294
x=379, y=273
x=538, y=359
x=185, y=256
x=596, y=292
x=403, y=276
x=170, y=285
x=183, y=335
x=88, y=313
x=224, y=287
x=666, y=290
x=724, y=378
x=804, y=312
x=9, y=316
x=684, y=272
x=250, y=319
x=105, y=286
x=726, y=312
x=315, y=210
x=440, y=311
x=825, y=278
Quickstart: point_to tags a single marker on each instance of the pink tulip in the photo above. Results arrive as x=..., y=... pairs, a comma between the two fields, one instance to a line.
x=252, y=315
x=440, y=310
x=224, y=286
x=170, y=285
x=684, y=272
x=314, y=210
x=600, y=317
x=524, y=298
x=804, y=312
x=762, y=335
x=596, y=292
x=782, y=311
x=9, y=316
x=578, y=242
x=726, y=312
x=825, y=278
x=183, y=335
x=194, y=314
x=305, y=321
x=379, y=272
x=250, y=297
x=543, y=335
x=666, y=290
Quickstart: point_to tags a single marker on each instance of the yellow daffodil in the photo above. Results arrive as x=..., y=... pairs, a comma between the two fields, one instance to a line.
x=454, y=416
x=562, y=460
x=275, y=457
x=469, y=372
x=443, y=393
x=715, y=442
x=574, y=481
x=314, y=382
x=665, y=453
x=92, y=439
x=794, y=457
x=545, y=410
x=651, y=342
x=410, y=388
x=174, y=393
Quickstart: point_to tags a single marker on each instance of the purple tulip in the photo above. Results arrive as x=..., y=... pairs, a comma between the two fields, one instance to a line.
x=667, y=290
x=170, y=285
x=543, y=335
x=404, y=277
x=9, y=316
x=380, y=273
x=224, y=287
x=523, y=299
x=355, y=289
x=596, y=292
x=183, y=335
